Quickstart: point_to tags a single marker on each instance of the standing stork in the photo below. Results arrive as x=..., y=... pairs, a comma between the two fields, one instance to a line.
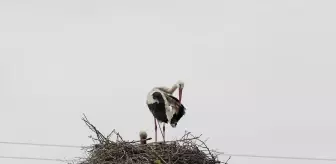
x=165, y=107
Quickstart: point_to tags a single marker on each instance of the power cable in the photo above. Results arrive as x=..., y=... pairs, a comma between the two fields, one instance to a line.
x=221, y=153
x=33, y=158
x=36, y=144
x=279, y=157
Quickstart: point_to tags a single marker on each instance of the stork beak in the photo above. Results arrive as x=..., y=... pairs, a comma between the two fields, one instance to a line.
x=180, y=94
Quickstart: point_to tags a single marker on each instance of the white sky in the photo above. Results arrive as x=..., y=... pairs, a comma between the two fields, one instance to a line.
x=259, y=75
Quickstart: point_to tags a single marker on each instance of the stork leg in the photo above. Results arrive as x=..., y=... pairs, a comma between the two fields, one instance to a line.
x=164, y=132
x=155, y=129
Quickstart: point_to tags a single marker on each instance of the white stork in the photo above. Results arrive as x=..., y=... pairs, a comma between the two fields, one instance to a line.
x=165, y=107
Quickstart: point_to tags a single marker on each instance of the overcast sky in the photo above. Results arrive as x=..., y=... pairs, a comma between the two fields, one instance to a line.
x=259, y=75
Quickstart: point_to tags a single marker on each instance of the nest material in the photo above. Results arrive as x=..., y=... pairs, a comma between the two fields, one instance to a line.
x=187, y=150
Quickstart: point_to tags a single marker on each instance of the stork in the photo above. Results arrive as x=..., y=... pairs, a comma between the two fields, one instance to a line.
x=165, y=107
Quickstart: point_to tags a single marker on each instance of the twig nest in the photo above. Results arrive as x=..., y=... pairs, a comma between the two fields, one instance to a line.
x=143, y=134
x=187, y=150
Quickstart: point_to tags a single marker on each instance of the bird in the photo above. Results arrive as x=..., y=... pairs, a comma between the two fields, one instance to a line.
x=143, y=137
x=166, y=108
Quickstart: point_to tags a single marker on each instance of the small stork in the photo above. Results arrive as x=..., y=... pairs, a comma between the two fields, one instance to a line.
x=143, y=137
x=165, y=107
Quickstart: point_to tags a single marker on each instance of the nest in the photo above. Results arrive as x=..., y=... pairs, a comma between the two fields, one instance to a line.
x=189, y=149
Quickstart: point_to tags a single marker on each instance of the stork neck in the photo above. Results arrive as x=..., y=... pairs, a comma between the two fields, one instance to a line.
x=173, y=88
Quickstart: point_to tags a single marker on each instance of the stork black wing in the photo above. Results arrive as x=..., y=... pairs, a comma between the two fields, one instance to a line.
x=158, y=96
x=175, y=102
x=171, y=96
x=158, y=108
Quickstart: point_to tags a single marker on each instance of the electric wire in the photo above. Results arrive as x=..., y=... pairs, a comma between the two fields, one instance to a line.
x=33, y=158
x=37, y=144
x=278, y=157
x=220, y=153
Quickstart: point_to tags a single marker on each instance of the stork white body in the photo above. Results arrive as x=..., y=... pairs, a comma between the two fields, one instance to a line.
x=165, y=107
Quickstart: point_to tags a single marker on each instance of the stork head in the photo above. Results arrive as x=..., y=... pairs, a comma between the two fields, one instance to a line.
x=143, y=134
x=180, y=86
